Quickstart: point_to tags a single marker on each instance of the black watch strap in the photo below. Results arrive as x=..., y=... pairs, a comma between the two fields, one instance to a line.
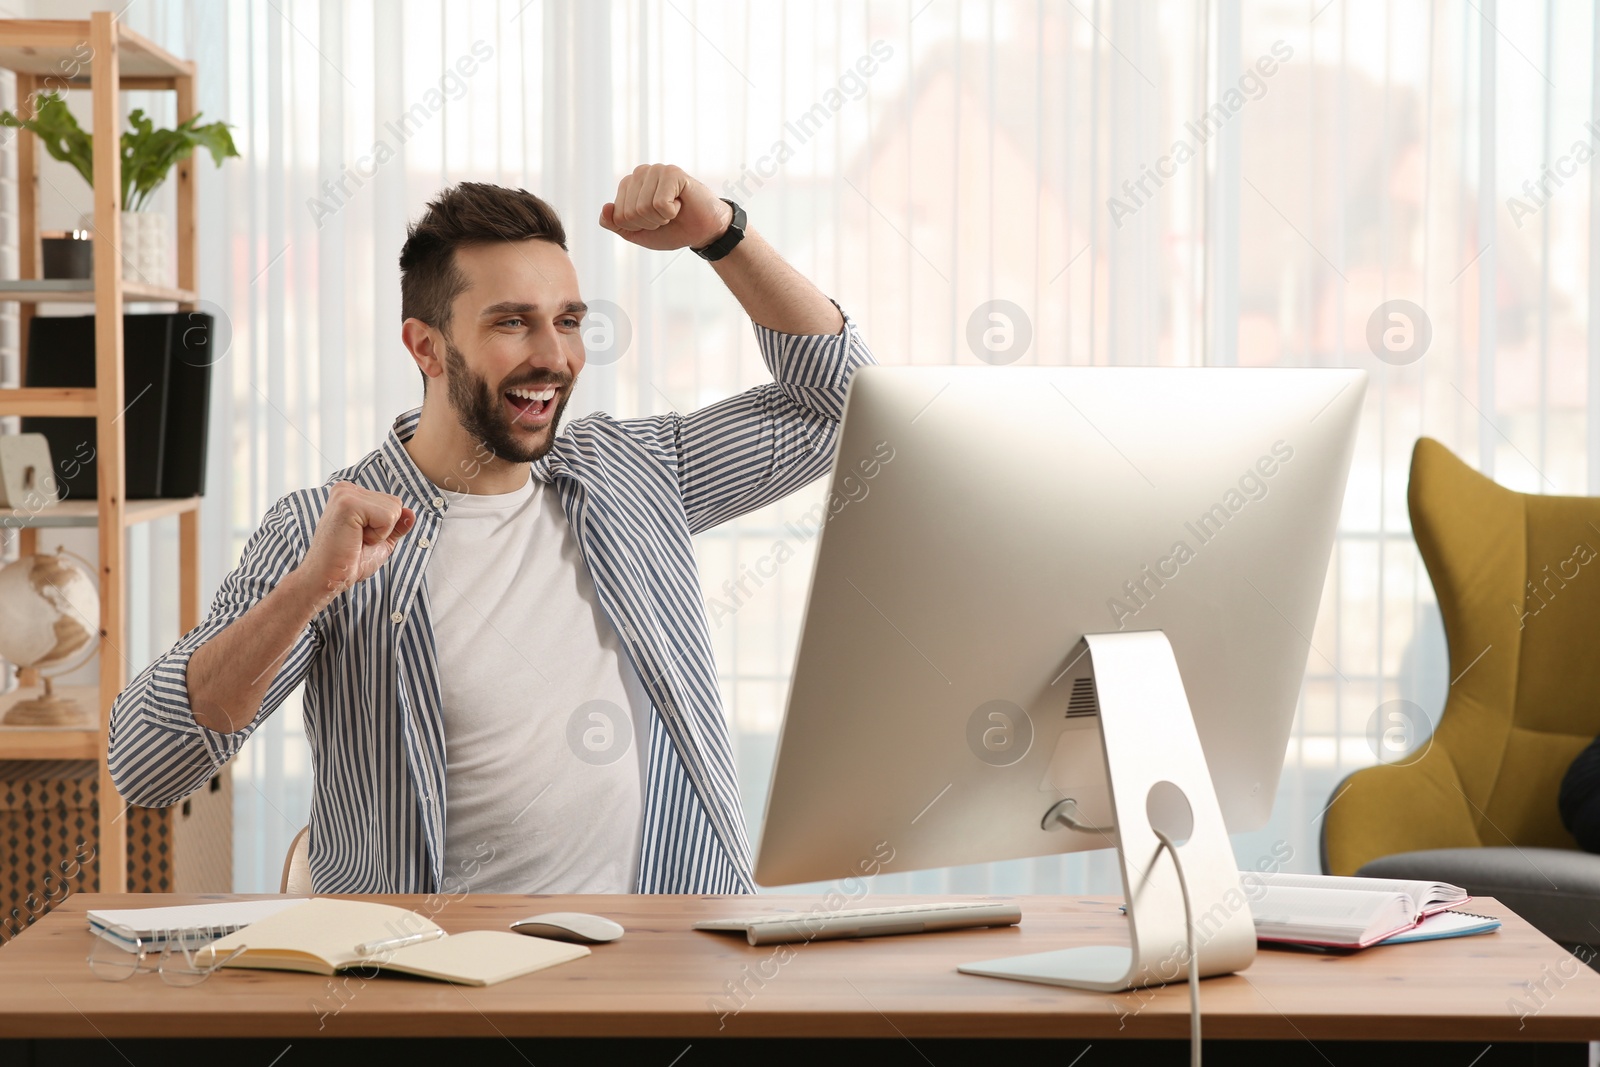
x=729, y=239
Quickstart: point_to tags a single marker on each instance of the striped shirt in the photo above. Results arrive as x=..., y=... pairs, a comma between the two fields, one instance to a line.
x=635, y=492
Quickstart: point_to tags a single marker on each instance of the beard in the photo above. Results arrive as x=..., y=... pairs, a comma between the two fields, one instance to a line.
x=481, y=410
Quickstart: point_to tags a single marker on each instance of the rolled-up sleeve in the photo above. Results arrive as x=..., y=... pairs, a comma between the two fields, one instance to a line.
x=742, y=453
x=158, y=753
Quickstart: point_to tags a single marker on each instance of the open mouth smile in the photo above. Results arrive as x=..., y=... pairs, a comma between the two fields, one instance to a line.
x=531, y=407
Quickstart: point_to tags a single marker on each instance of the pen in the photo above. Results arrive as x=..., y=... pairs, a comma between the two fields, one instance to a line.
x=373, y=947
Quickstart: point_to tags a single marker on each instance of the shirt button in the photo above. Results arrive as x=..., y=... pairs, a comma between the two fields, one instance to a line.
x=424, y=542
x=438, y=501
x=398, y=616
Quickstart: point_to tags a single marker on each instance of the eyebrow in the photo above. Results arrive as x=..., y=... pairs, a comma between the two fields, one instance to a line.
x=513, y=307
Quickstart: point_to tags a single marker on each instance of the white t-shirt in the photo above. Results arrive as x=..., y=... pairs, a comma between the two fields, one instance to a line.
x=546, y=723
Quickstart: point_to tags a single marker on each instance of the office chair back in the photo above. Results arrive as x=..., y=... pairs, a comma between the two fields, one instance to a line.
x=296, y=879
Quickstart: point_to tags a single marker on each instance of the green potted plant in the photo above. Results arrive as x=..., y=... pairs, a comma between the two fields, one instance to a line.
x=148, y=156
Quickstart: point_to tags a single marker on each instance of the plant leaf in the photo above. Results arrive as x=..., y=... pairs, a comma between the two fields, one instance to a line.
x=58, y=130
x=148, y=154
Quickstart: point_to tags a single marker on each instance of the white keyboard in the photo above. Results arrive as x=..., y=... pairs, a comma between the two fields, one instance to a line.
x=822, y=925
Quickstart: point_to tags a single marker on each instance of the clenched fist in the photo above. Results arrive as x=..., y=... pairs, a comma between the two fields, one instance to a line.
x=659, y=206
x=355, y=536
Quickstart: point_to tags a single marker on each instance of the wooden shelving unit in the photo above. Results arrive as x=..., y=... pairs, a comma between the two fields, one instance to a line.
x=51, y=742
x=71, y=513
x=107, y=58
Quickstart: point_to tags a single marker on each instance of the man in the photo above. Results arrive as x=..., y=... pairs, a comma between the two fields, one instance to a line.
x=509, y=677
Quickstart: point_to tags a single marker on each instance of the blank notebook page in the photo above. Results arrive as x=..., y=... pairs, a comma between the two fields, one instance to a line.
x=482, y=957
x=326, y=929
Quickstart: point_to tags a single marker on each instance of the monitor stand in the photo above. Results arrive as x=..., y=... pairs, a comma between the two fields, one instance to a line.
x=1158, y=782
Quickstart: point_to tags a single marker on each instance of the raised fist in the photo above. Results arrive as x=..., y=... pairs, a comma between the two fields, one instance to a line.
x=659, y=206
x=355, y=536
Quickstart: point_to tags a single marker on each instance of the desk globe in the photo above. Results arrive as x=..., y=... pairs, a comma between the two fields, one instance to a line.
x=49, y=620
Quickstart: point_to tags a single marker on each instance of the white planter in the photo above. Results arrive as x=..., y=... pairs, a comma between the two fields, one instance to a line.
x=146, y=236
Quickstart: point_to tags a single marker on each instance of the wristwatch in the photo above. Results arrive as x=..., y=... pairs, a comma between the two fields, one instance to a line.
x=730, y=237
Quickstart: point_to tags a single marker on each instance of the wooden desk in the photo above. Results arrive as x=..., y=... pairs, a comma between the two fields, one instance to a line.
x=665, y=980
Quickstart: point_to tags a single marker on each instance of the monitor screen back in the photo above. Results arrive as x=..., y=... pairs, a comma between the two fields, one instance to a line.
x=979, y=522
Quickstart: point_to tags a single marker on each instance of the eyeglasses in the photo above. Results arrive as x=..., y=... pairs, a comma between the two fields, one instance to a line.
x=180, y=957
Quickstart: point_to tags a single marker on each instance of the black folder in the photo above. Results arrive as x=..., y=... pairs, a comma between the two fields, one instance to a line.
x=195, y=346
x=166, y=372
x=61, y=355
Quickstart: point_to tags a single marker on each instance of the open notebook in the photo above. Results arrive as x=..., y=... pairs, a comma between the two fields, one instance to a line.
x=1429, y=897
x=1348, y=912
x=321, y=936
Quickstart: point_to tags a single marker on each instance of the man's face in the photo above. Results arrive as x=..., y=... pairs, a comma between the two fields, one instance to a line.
x=514, y=349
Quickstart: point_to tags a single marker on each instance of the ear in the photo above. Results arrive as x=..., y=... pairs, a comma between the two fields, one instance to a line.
x=425, y=345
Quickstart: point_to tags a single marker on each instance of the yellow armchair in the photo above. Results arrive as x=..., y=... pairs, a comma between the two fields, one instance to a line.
x=1517, y=577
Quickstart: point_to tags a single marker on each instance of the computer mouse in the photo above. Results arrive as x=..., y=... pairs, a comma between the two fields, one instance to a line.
x=576, y=926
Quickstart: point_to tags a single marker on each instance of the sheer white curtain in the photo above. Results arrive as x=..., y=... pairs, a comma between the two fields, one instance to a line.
x=918, y=159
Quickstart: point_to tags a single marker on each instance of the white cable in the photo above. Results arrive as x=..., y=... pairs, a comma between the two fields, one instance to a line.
x=1067, y=818
x=1194, y=960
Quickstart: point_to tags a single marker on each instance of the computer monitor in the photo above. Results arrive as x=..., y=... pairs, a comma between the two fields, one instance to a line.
x=1028, y=579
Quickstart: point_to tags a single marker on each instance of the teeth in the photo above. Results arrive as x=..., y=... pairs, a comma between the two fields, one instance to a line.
x=533, y=394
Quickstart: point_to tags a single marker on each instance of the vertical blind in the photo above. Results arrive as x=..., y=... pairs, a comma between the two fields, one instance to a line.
x=1237, y=182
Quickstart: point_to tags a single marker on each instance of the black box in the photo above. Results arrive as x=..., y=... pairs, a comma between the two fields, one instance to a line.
x=166, y=392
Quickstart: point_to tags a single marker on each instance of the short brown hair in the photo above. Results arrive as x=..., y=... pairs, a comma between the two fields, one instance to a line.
x=466, y=214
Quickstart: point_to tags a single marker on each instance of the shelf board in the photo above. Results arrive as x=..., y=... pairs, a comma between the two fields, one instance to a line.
x=51, y=742
x=53, y=403
x=56, y=49
x=137, y=511
x=81, y=291
x=87, y=512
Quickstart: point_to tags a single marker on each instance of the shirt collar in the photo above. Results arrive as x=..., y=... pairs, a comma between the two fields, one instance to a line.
x=406, y=479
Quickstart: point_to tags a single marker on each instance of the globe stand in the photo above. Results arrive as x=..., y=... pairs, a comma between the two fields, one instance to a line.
x=47, y=709
x=59, y=596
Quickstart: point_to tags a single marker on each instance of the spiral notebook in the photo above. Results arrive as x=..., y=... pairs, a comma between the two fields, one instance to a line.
x=1443, y=924
x=129, y=928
